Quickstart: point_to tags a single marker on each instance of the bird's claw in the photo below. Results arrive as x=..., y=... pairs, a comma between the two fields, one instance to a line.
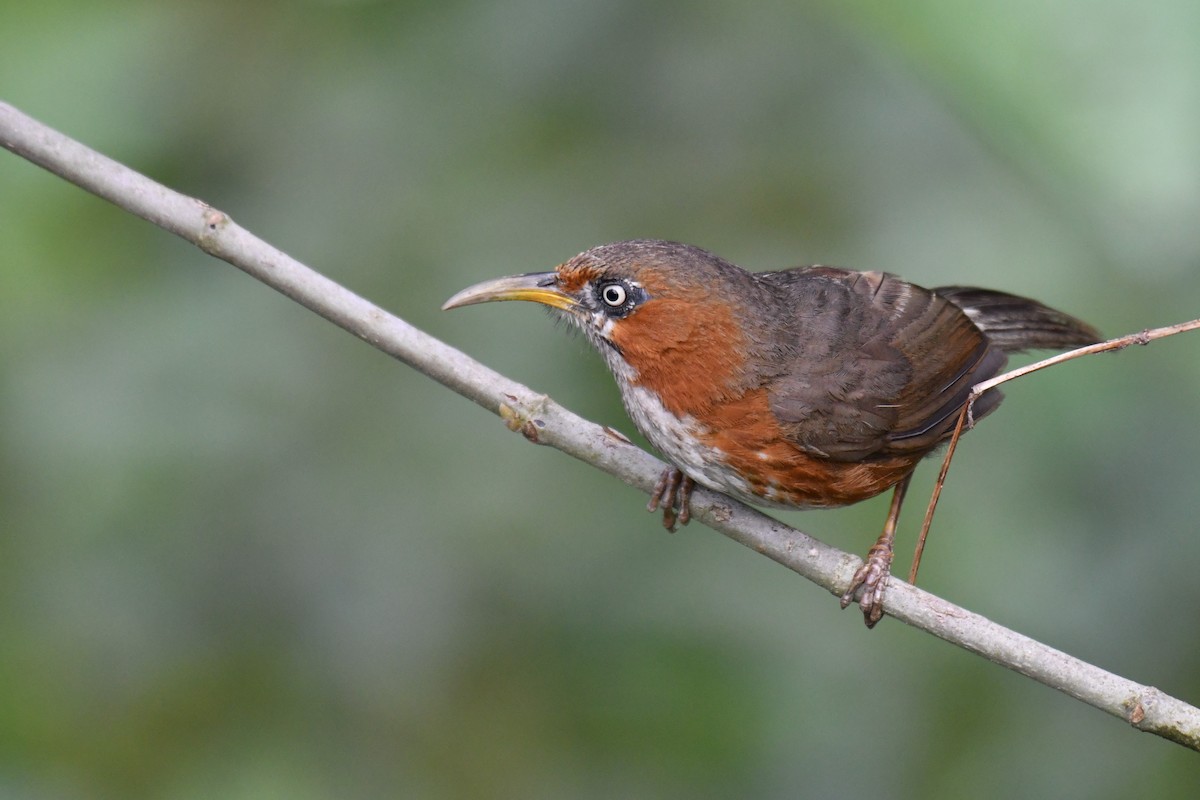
x=872, y=576
x=673, y=494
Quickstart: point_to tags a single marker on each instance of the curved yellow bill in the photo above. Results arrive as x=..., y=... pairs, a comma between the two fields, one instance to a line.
x=538, y=287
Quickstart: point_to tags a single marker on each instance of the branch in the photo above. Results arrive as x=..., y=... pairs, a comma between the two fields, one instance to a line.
x=966, y=417
x=1112, y=345
x=543, y=421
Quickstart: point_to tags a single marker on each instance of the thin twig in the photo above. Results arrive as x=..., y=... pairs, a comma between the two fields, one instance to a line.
x=1120, y=343
x=540, y=419
x=967, y=414
x=936, y=495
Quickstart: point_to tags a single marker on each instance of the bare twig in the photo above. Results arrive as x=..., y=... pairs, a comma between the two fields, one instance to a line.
x=540, y=419
x=935, y=496
x=1120, y=343
x=966, y=419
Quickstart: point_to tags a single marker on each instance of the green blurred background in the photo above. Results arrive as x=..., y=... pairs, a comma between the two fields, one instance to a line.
x=243, y=555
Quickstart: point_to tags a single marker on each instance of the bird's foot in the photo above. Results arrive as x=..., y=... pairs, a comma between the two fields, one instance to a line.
x=673, y=494
x=872, y=576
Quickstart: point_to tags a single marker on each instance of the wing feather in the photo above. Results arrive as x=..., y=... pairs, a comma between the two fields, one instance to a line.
x=874, y=366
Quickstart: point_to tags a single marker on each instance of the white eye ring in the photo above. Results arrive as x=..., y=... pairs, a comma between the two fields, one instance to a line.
x=614, y=295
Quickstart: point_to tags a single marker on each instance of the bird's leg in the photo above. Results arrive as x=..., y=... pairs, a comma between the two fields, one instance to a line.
x=673, y=489
x=875, y=570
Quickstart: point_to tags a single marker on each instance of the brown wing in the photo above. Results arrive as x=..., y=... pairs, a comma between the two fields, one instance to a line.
x=879, y=367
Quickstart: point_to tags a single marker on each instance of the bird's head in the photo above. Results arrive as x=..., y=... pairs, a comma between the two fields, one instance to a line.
x=659, y=312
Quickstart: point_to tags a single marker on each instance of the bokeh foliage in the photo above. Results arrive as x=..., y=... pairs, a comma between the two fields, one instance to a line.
x=244, y=556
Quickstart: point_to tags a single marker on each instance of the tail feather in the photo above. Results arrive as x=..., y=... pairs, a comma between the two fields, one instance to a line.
x=1014, y=323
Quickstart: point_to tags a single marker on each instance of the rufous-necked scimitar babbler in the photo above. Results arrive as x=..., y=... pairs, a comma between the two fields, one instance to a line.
x=811, y=387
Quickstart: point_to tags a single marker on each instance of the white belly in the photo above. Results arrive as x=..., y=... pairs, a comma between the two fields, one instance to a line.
x=678, y=439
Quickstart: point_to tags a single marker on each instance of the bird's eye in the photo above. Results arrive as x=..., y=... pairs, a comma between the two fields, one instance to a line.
x=614, y=295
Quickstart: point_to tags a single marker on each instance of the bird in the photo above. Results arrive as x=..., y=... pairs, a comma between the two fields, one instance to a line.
x=808, y=387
